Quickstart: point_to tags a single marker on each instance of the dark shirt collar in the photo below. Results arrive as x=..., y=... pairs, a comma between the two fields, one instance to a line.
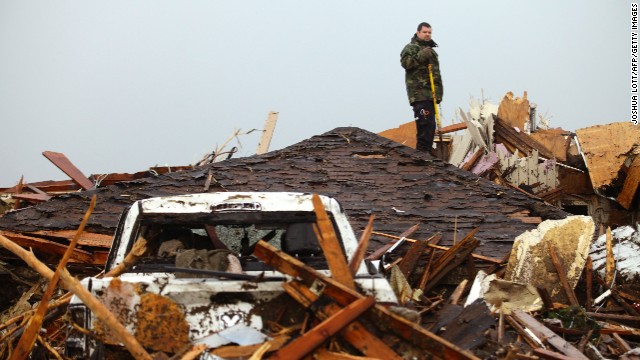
x=429, y=43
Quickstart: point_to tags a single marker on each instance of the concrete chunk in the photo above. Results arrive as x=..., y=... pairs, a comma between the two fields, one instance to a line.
x=530, y=261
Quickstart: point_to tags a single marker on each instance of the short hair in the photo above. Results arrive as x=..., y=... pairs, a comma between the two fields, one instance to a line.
x=423, y=24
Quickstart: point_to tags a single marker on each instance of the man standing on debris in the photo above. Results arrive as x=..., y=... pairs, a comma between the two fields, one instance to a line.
x=415, y=59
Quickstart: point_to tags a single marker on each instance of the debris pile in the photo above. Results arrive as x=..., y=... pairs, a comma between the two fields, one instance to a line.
x=481, y=250
x=582, y=172
x=523, y=306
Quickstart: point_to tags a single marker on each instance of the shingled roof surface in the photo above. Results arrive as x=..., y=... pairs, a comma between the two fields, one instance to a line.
x=367, y=173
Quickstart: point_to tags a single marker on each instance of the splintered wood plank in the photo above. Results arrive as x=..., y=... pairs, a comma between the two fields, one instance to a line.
x=513, y=139
x=515, y=111
x=610, y=261
x=562, y=275
x=48, y=186
x=383, y=249
x=407, y=330
x=269, y=127
x=473, y=159
x=358, y=255
x=440, y=247
x=86, y=238
x=548, y=354
x=556, y=140
x=63, y=163
x=588, y=272
x=468, y=328
x=16, y=204
x=35, y=189
x=542, y=332
x=355, y=333
x=245, y=351
x=404, y=134
x=631, y=183
x=74, y=286
x=451, y=259
x=330, y=246
x=32, y=197
x=452, y=128
x=28, y=338
x=324, y=354
x=50, y=247
x=410, y=259
x=315, y=337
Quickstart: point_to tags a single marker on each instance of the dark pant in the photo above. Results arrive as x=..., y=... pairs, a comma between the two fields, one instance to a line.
x=425, y=116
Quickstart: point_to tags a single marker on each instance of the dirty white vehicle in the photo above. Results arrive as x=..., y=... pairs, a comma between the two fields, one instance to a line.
x=198, y=281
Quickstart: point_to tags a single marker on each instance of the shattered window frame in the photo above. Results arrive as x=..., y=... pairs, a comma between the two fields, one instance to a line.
x=239, y=231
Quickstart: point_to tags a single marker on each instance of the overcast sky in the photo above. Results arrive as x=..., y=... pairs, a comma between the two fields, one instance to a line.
x=119, y=86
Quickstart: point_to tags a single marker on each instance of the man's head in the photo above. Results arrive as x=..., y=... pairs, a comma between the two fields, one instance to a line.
x=424, y=31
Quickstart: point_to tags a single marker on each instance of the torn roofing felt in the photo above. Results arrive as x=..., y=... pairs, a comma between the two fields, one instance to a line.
x=367, y=173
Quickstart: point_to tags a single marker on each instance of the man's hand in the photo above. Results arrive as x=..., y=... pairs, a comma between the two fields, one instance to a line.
x=425, y=54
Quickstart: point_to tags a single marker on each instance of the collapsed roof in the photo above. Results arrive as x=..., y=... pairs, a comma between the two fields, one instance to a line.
x=367, y=173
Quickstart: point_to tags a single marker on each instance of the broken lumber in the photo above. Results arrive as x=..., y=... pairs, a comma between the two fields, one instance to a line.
x=545, y=334
x=618, y=317
x=36, y=198
x=631, y=184
x=515, y=111
x=589, y=282
x=438, y=247
x=267, y=134
x=16, y=205
x=355, y=333
x=28, y=338
x=417, y=335
x=330, y=246
x=525, y=144
x=451, y=259
x=562, y=275
x=73, y=285
x=548, y=354
x=452, y=128
x=473, y=159
x=63, y=163
x=237, y=351
x=358, y=255
x=315, y=337
x=410, y=259
x=610, y=261
x=51, y=247
x=376, y=255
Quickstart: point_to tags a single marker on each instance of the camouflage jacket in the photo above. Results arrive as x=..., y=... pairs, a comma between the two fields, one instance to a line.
x=415, y=58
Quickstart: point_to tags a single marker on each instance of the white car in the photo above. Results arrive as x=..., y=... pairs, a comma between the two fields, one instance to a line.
x=198, y=282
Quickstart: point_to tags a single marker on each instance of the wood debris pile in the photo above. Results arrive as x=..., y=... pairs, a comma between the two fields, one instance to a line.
x=455, y=242
x=590, y=316
x=583, y=172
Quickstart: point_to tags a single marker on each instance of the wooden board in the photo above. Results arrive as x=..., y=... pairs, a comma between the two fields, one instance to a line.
x=405, y=134
x=514, y=111
x=630, y=186
x=64, y=164
x=604, y=157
